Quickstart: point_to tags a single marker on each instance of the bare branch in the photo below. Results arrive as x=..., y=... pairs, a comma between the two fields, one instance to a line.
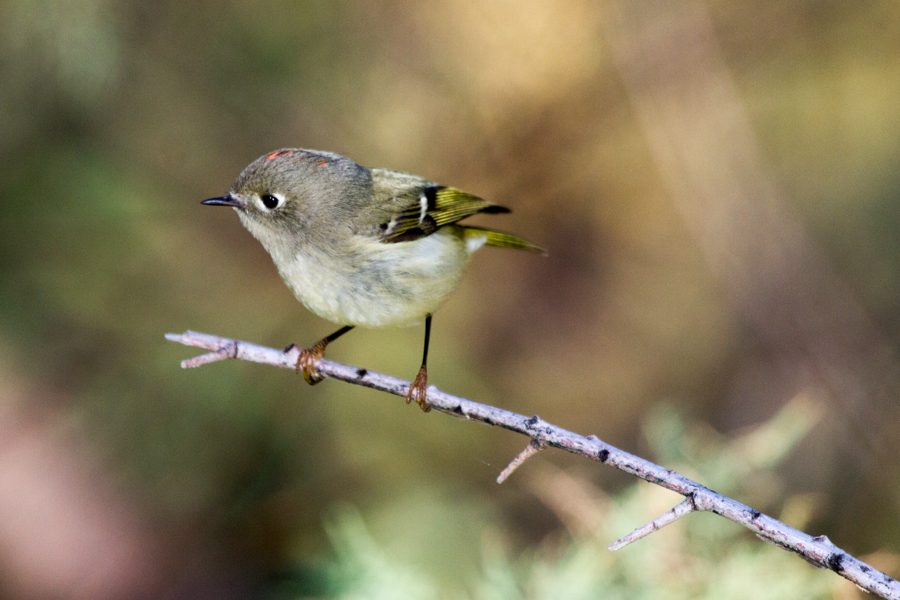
x=533, y=447
x=819, y=551
x=683, y=508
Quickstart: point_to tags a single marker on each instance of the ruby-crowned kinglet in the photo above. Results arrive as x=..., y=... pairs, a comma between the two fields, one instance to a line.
x=360, y=246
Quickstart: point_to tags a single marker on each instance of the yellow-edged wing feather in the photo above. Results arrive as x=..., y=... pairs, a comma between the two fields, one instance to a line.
x=417, y=207
x=434, y=207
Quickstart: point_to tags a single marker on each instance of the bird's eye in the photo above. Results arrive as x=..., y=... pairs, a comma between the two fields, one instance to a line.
x=270, y=201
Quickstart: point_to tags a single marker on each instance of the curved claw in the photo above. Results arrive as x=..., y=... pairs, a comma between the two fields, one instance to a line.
x=307, y=362
x=418, y=391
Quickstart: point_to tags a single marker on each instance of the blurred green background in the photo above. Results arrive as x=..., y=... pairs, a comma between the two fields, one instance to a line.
x=717, y=184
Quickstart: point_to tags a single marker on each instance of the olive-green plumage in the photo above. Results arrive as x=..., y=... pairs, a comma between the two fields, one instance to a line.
x=360, y=246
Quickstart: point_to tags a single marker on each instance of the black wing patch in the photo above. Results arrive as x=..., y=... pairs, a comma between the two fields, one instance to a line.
x=435, y=207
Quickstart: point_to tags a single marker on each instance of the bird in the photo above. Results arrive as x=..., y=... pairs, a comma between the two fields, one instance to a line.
x=359, y=246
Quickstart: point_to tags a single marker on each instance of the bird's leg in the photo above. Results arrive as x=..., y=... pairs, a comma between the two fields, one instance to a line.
x=310, y=356
x=417, y=391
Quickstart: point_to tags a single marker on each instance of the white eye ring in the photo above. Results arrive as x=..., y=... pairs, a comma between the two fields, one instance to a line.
x=271, y=201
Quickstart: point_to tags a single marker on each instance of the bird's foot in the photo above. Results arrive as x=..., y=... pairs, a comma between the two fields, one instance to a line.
x=308, y=360
x=418, y=390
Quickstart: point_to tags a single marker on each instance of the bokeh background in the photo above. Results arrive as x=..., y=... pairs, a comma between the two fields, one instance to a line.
x=718, y=185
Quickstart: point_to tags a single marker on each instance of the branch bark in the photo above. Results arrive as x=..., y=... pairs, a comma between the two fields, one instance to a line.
x=819, y=550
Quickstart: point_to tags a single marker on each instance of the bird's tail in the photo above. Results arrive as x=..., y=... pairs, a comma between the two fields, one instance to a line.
x=477, y=236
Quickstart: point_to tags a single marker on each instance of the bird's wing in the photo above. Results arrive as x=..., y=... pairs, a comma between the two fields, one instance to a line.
x=410, y=207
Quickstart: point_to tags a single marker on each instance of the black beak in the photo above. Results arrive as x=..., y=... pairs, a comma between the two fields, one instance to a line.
x=222, y=201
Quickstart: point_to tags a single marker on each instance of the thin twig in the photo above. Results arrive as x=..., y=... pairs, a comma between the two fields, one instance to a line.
x=685, y=507
x=819, y=551
x=533, y=447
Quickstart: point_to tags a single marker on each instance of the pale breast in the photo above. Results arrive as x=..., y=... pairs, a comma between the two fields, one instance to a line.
x=373, y=284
